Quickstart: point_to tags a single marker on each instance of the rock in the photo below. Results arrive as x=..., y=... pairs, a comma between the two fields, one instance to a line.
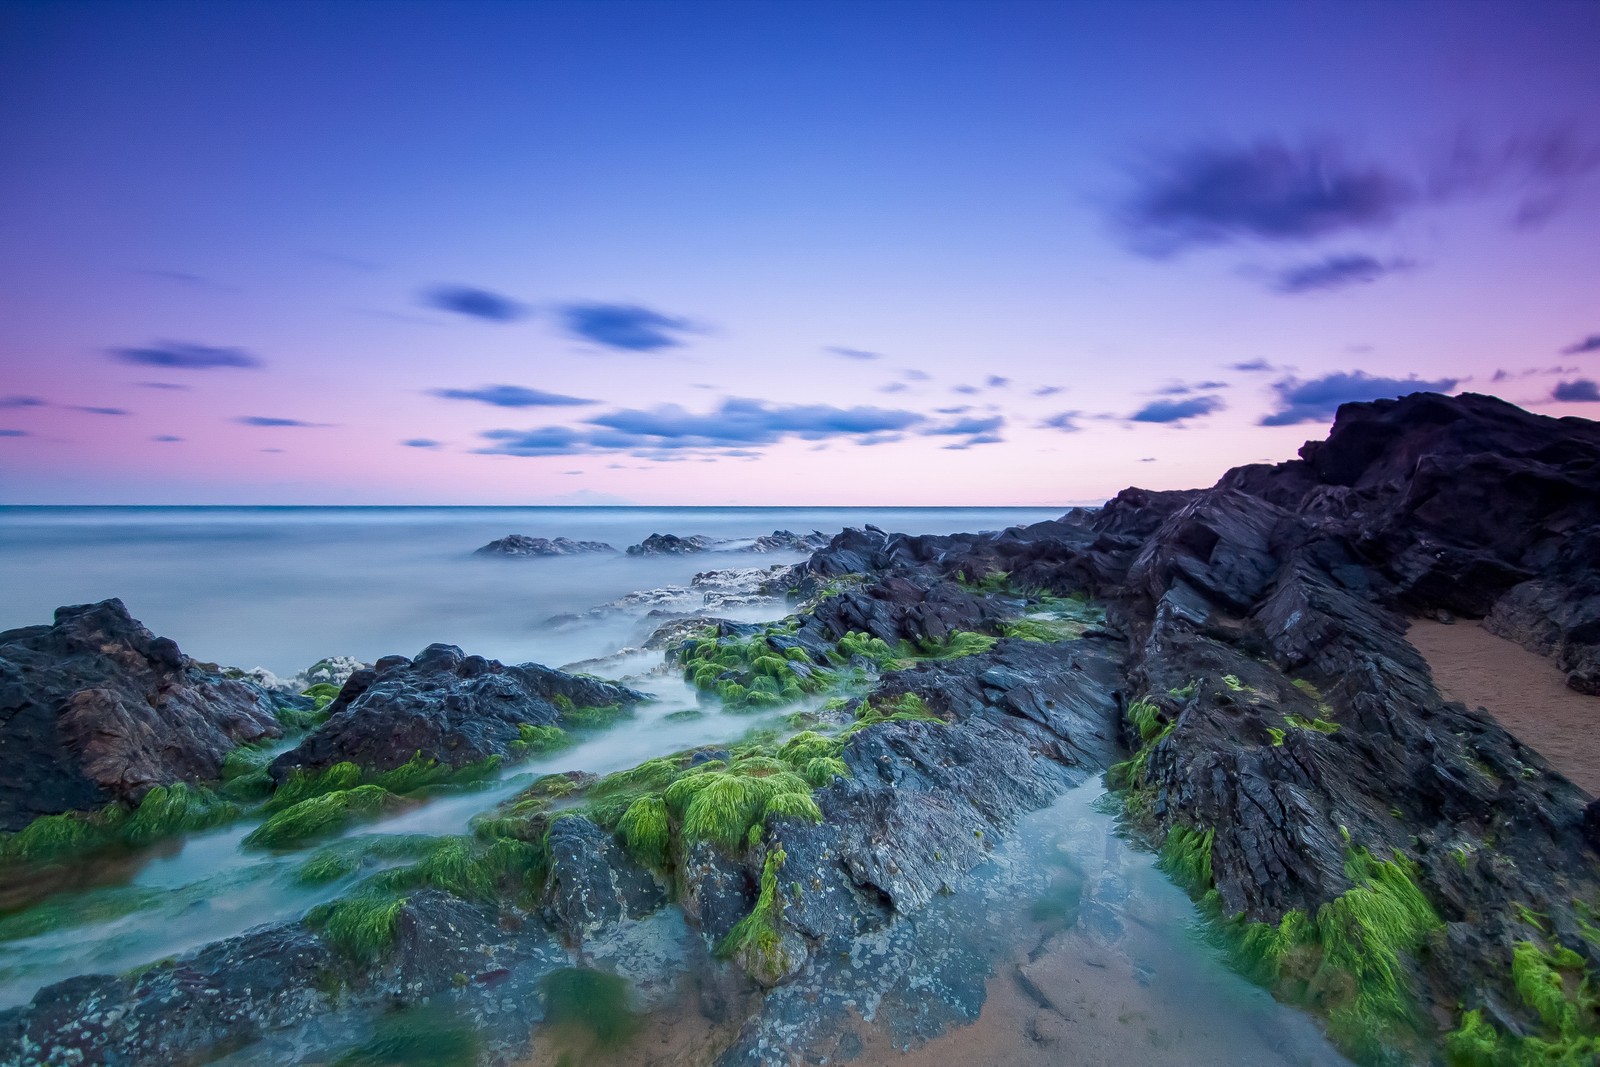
x=94, y=708
x=777, y=541
x=593, y=883
x=672, y=545
x=449, y=707
x=521, y=546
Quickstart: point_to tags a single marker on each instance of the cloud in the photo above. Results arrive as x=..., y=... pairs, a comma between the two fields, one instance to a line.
x=511, y=396
x=474, y=303
x=160, y=385
x=625, y=327
x=737, y=423
x=915, y=375
x=968, y=390
x=267, y=420
x=1047, y=390
x=22, y=402
x=1251, y=365
x=421, y=442
x=893, y=387
x=960, y=427
x=852, y=353
x=980, y=439
x=1177, y=411
x=1267, y=191
x=994, y=381
x=1540, y=167
x=1065, y=421
x=14, y=433
x=959, y=409
x=166, y=438
x=1318, y=399
x=1588, y=344
x=1185, y=388
x=1583, y=390
x=101, y=411
x=1334, y=272
x=181, y=355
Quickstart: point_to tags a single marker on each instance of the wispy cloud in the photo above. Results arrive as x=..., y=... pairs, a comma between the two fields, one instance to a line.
x=1177, y=411
x=88, y=410
x=421, y=442
x=14, y=433
x=995, y=381
x=269, y=420
x=736, y=423
x=512, y=396
x=1583, y=390
x=852, y=353
x=1064, y=421
x=1317, y=399
x=624, y=327
x=1218, y=193
x=22, y=402
x=962, y=427
x=160, y=385
x=1583, y=347
x=1252, y=366
x=474, y=303
x=166, y=438
x=1334, y=272
x=1047, y=390
x=181, y=355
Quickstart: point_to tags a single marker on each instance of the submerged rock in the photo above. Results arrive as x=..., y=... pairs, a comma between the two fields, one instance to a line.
x=94, y=708
x=522, y=546
x=776, y=541
x=445, y=706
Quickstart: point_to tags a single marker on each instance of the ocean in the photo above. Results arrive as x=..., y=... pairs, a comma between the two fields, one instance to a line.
x=282, y=587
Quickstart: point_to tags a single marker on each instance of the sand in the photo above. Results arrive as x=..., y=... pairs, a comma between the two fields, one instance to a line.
x=1522, y=690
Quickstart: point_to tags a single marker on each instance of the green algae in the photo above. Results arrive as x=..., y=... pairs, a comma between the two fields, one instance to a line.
x=321, y=815
x=361, y=925
x=164, y=811
x=756, y=941
x=590, y=1005
x=417, y=1036
x=1317, y=725
x=1556, y=985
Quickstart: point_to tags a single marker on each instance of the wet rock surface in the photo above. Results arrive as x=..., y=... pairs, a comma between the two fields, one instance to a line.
x=522, y=546
x=94, y=708
x=450, y=707
x=776, y=541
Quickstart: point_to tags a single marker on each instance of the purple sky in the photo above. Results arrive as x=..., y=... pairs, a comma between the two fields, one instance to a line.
x=771, y=253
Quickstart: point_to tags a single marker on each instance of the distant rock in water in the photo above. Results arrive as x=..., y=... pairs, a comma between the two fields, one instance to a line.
x=776, y=541
x=450, y=707
x=94, y=708
x=521, y=545
x=332, y=670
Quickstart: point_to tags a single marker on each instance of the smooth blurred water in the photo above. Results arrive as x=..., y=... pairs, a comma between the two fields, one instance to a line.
x=283, y=587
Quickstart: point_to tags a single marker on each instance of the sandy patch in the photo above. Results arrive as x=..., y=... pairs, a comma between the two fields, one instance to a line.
x=1523, y=691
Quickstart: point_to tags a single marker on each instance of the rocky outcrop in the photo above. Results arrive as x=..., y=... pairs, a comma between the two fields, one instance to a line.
x=521, y=546
x=94, y=708
x=446, y=706
x=776, y=541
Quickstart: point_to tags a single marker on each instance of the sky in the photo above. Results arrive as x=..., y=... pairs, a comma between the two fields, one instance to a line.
x=771, y=253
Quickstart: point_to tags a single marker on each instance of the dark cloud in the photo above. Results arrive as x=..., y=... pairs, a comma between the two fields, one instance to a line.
x=101, y=411
x=1318, y=399
x=968, y=390
x=1334, y=272
x=736, y=423
x=166, y=438
x=1065, y=421
x=1540, y=168
x=22, y=402
x=13, y=433
x=268, y=420
x=1268, y=191
x=421, y=442
x=1047, y=390
x=1583, y=390
x=1186, y=388
x=994, y=381
x=1176, y=411
x=962, y=427
x=1251, y=365
x=1588, y=344
x=852, y=353
x=511, y=396
x=181, y=355
x=160, y=385
x=474, y=303
x=959, y=409
x=625, y=327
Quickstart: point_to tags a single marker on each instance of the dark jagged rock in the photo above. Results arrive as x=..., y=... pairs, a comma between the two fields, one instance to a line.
x=94, y=708
x=593, y=883
x=251, y=992
x=776, y=541
x=520, y=546
x=449, y=707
